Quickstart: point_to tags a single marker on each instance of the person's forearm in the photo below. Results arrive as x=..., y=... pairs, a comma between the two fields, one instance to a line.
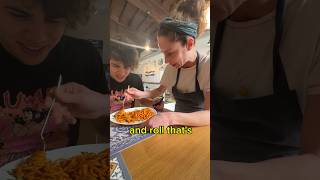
x=153, y=93
x=146, y=102
x=200, y=118
x=304, y=167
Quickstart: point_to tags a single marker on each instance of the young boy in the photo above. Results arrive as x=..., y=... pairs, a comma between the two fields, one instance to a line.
x=33, y=54
x=122, y=61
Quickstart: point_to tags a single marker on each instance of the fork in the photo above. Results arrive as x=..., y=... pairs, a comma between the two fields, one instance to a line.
x=48, y=115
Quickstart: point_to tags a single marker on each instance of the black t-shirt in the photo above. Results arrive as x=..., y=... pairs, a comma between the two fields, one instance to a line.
x=23, y=87
x=133, y=80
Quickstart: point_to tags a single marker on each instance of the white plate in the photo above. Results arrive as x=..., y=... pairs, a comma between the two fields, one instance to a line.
x=54, y=155
x=113, y=119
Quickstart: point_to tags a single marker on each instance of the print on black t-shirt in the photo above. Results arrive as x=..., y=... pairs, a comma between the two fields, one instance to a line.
x=23, y=90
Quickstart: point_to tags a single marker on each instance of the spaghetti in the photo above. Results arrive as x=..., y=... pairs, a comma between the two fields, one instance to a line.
x=133, y=116
x=86, y=166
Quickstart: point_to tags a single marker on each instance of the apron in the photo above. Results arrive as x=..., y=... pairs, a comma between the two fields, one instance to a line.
x=189, y=102
x=257, y=129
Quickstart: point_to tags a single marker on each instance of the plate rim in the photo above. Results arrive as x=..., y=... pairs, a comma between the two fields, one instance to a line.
x=5, y=168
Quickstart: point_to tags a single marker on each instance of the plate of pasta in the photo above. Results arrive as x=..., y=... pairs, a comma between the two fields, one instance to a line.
x=132, y=116
x=70, y=163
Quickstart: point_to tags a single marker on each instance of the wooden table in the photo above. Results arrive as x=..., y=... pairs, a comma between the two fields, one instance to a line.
x=171, y=157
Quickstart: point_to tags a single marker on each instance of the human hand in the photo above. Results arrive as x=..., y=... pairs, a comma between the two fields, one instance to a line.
x=80, y=101
x=159, y=106
x=133, y=93
x=119, y=100
x=161, y=119
x=60, y=113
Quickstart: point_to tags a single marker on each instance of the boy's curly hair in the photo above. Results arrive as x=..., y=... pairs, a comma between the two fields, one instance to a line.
x=127, y=55
x=75, y=11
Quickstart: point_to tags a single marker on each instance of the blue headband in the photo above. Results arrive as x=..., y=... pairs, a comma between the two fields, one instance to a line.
x=187, y=28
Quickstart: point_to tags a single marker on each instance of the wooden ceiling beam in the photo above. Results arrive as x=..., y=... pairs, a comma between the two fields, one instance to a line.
x=137, y=36
x=115, y=19
x=122, y=34
x=156, y=12
x=122, y=10
x=143, y=20
x=132, y=18
x=154, y=31
x=150, y=26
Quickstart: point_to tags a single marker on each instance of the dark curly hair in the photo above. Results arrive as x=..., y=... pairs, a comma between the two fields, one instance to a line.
x=127, y=55
x=75, y=11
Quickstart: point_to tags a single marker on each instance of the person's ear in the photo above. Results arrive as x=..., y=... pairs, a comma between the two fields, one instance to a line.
x=190, y=43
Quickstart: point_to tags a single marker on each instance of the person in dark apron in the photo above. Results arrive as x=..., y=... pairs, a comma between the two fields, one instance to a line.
x=256, y=129
x=189, y=102
x=187, y=75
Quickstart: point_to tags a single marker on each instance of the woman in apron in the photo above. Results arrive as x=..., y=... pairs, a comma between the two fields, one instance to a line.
x=188, y=72
x=254, y=129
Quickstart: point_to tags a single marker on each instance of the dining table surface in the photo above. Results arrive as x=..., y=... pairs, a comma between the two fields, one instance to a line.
x=171, y=156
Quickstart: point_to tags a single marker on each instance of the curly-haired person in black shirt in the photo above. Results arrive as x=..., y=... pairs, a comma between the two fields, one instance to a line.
x=34, y=52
